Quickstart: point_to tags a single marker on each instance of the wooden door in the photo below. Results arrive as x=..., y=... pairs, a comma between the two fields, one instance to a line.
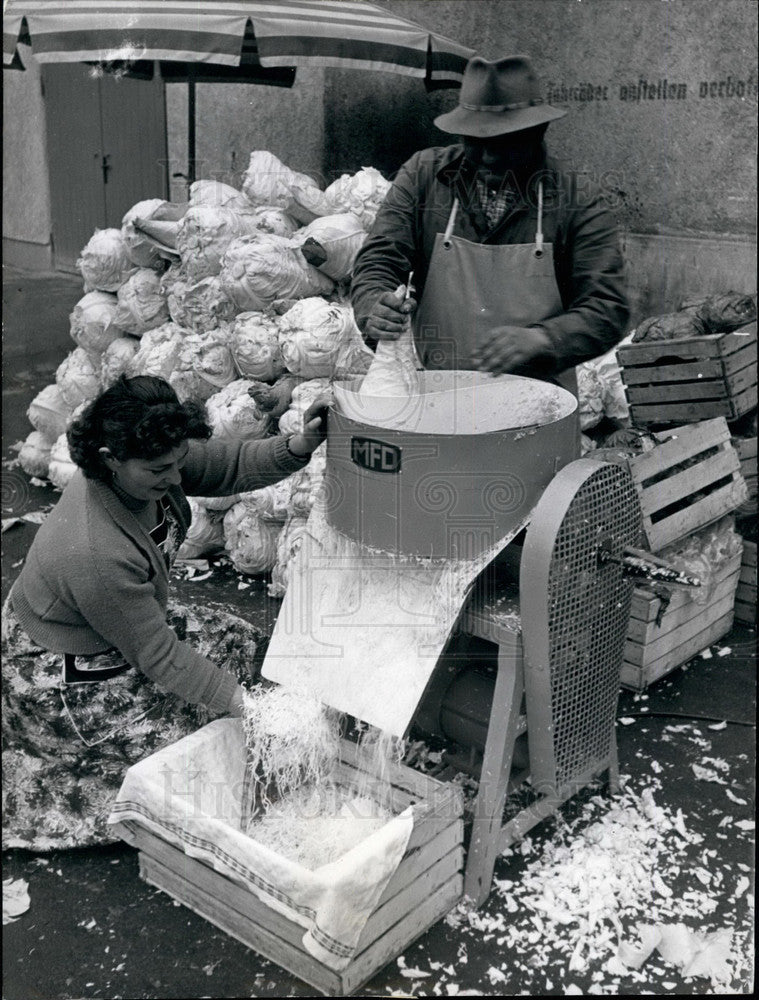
x=106, y=140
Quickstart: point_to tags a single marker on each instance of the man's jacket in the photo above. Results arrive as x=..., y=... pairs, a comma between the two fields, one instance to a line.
x=587, y=259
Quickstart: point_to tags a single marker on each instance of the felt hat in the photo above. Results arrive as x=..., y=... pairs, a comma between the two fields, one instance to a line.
x=497, y=98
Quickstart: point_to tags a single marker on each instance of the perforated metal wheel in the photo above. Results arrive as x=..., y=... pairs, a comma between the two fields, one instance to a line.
x=575, y=612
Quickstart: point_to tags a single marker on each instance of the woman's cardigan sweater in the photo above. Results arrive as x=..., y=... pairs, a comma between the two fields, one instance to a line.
x=94, y=579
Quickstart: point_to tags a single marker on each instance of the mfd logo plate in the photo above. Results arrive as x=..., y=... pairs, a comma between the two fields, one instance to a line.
x=377, y=456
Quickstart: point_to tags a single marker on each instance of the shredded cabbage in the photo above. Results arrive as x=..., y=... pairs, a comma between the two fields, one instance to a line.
x=590, y=395
x=105, y=263
x=78, y=378
x=361, y=193
x=331, y=243
x=141, y=303
x=255, y=346
x=49, y=413
x=312, y=334
x=93, y=322
x=234, y=415
x=288, y=544
x=256, y=270
x=250, y=539
x=272, y=502
x=34, y=455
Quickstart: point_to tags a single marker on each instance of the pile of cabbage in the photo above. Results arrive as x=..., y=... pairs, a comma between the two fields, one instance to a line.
x=230, y=290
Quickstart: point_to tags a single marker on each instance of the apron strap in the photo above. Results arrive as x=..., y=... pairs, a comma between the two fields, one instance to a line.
x=451, y=221
x=539, y=231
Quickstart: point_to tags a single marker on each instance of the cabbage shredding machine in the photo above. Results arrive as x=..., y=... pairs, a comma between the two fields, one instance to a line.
x=482, y=473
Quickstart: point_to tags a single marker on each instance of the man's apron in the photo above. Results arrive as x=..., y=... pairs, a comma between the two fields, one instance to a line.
x=471, y=288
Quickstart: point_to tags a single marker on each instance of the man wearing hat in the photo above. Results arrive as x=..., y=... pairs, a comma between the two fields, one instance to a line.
x=516, y=266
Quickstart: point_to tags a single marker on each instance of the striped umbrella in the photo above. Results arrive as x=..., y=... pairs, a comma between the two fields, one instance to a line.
x=230, y=39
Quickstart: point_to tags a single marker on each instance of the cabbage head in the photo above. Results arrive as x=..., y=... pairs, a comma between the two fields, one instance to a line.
x=60, y=468
x=331, y=243
x=258, y=270
x=233, y=414
x=78, y=378
x=93, y=322
x=205, y=536
x=250, y=540
x=49, y=413
x=200, y=306
x=117, y=359
x=141, y=303
x=269, y=183
x=255, y=346
x=204, y=233
x=158, y=351
x=34, y=455
x=140, y=250
x=203, y=366
x=105, y=263
x=361, y=193
x=312, y=335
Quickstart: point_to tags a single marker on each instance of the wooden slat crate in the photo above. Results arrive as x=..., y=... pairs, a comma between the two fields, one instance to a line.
x=426, y=885
x=686, y=628
x=747, y=456
x=696, y=378
x=688, y=480
x=745, y=595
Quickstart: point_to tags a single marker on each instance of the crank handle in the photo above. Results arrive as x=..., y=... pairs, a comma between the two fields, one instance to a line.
x=641, y=565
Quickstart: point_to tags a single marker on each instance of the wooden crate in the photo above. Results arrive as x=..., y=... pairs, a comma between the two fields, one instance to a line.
x=688, y=480
x=686, y=628
x=426, y=885
x=746, y=451
x=745, y=595
x=679, y=381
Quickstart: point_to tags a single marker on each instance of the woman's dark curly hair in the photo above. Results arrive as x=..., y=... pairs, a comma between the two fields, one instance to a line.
x=135, y=418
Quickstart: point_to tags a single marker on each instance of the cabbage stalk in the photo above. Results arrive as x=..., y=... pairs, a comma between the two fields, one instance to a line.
x=140, y=250
x=331, y=243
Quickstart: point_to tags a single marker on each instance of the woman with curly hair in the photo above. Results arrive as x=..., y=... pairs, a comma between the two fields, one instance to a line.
x=94, y=675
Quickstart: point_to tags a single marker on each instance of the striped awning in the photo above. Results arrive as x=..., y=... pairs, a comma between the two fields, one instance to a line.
x=231, y=35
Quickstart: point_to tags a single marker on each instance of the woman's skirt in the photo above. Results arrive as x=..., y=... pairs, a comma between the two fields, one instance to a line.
x=66, y=747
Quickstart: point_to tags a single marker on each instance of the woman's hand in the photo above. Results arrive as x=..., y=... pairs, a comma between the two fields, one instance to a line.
x=273, y=399
x=390, y=315
x=314, y=430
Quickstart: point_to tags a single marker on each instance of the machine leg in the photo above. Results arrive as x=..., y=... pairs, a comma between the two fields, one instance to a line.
x=494, y=779
x=612, y=772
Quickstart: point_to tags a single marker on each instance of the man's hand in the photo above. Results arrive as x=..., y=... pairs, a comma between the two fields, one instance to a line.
x=272, y=399
x=314, y=430
x=389, y=317
x=512, y=348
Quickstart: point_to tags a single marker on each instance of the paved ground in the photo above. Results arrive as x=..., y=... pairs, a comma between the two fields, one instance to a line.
x=95, y=930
